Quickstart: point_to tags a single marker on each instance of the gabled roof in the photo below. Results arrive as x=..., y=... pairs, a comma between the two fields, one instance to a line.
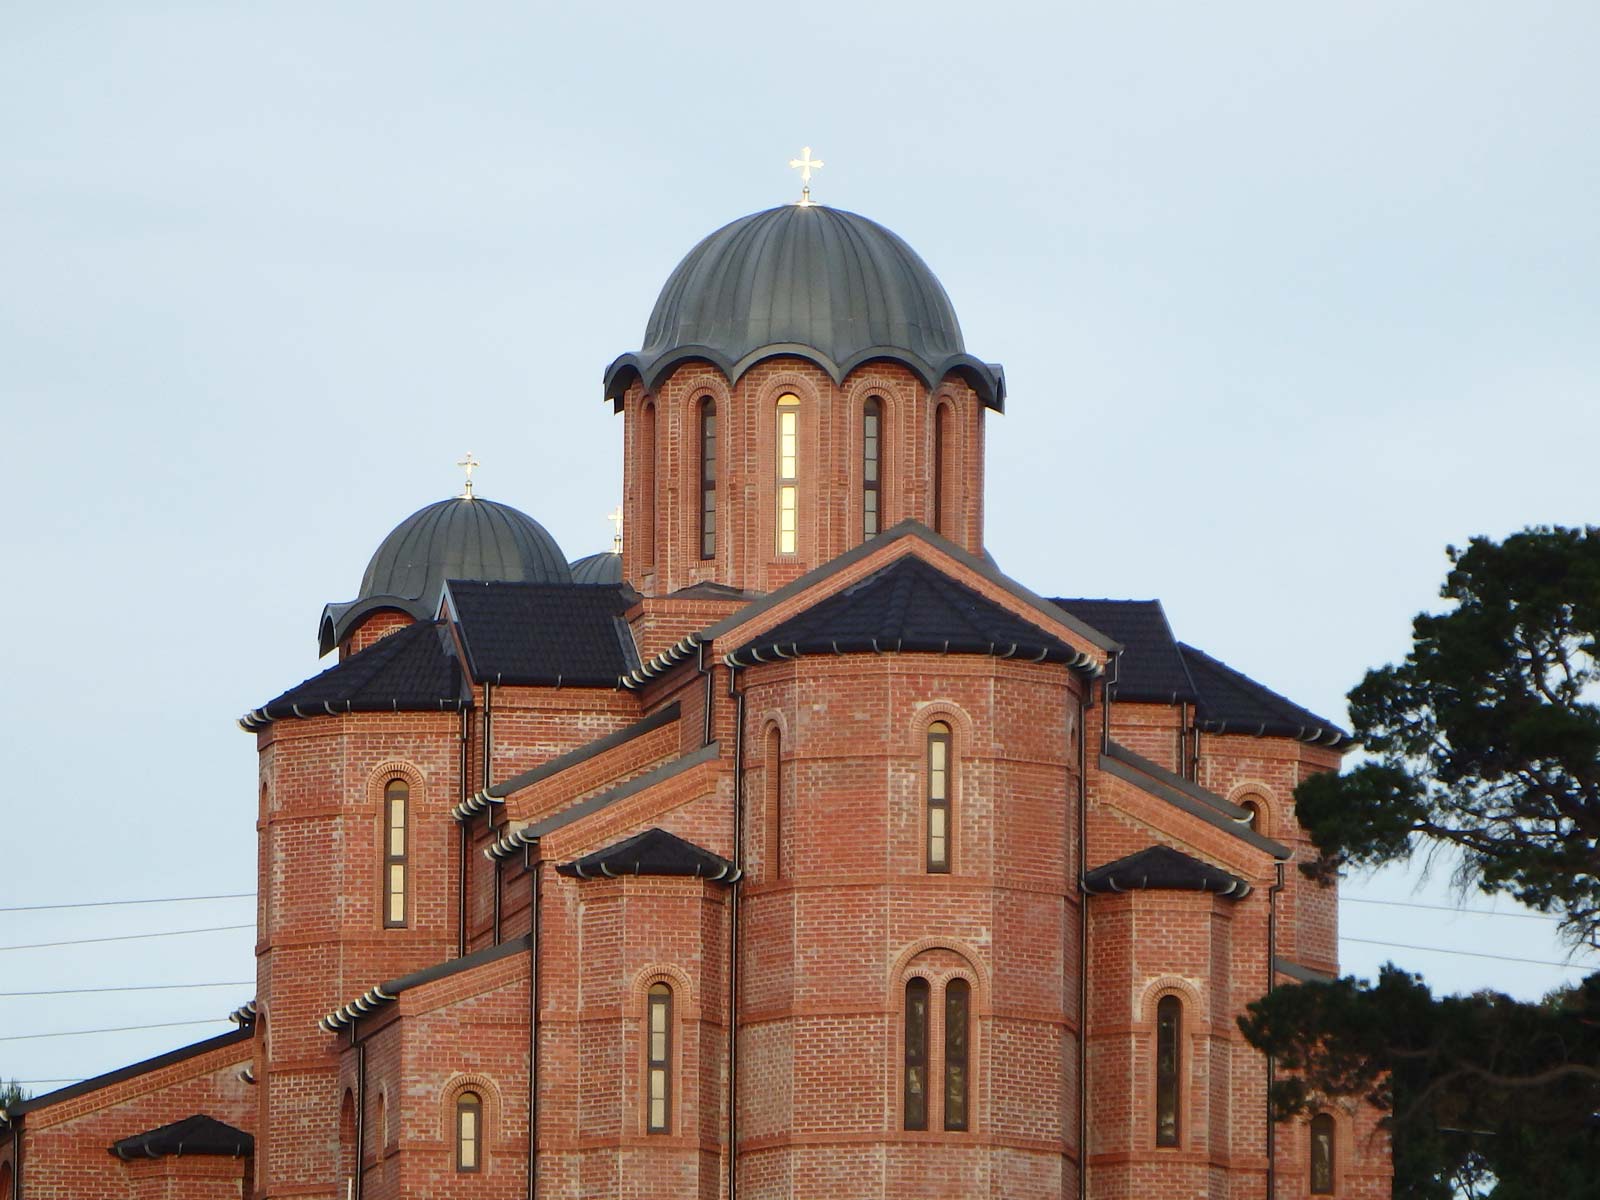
x=549, y=635
x=653, y=852
x=411, y=670
x=198, y=1134
x=1151, y=668
x=1232, y=702
x=908, y=606
x=132, y=1071
x=388, y=992
x=1185, y=794
x=1161, y=868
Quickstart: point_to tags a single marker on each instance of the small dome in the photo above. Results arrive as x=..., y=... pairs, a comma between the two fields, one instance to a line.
x=460, y=538
x=820, y=283
x=605, y=567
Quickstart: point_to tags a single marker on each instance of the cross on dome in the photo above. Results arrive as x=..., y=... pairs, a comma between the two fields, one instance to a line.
x=805, y=164
x=615, y=517
x=468, y=464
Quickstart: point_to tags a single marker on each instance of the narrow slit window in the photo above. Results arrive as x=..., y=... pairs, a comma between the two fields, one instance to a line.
x=708, y=479
x=1169, y=1029
x=957, y=1052
x=871, y=468
x=469, y=1132
x=941, y=468
x=916, y=1054
x=774, y=785
x=396, y=800
x=1322, y=1155
x=647, y=484
x=939, y=797
x=788, y=474
x=659, y=1071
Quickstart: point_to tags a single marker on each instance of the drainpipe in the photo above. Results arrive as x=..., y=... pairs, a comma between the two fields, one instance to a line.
x=461, y=840
x=533, y=861
x=733, y=930
x=1272, y=972
x=499, y=880
x=488, y=728
x=16, y=1157
x=361, y=1111
x=1107, y=682
x=700, y=665
x=1083, y=957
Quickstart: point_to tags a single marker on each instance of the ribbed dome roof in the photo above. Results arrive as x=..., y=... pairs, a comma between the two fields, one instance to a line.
x=458, y=538
x=816, y=282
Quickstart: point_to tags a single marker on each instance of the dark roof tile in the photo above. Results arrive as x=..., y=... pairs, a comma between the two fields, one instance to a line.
x=653, y=852
x=198, y=1134
x=1151, y=668
x=1232, y=702
x=1161, y=868
x=558, y=635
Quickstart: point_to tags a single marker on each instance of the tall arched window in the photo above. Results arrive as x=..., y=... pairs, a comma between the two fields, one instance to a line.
x=788, y=474
x=939, y=797
x=658, y=1098
x=1322, y=1155
x=708, y=478
x=871, y=467
x=774, y=806
x=396, y=800
x=347, y=1137
x=1169, y=1030
x=915, y=1107
x=646, y=538
x=957, y=1028
x=943, y=444
x=469, y=1132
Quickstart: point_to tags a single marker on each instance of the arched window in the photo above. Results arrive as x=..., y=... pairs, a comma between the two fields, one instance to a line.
x=1252, y=806
x=347, y=1137
x=659, y=1052
x=943, y=444
x=916, y=1054
x=383, y=1123
x=788, y=474
x=939, y=797
x=774, y=805
x=647, y=484
x=871, y=467
x=1322, y=1155
x=469, y=1132
x=708, y=478
x=1169, y=1029
x=957, y=1027
x=396, y=800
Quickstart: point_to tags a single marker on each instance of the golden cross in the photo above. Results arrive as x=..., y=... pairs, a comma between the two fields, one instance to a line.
x=615, y=517
x=805, y=164
x=468, y=464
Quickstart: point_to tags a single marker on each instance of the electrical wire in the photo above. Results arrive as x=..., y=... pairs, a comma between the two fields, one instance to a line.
x=114, y=903
x=28, y=1037
x=1542, y=962
x=133, y=987
x=127, y=937
x=1450, y=908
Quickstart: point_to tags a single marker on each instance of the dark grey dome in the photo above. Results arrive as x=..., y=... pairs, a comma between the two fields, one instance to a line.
x=816, y=282
x=459, y=538
x=605, y=567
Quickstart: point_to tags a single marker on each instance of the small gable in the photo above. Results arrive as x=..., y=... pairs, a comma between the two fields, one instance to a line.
x=653, y=852
x=910, y=607
x=1161, y=868
x=198, y=1134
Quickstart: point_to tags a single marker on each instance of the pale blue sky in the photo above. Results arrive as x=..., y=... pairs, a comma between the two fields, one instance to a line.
x=1288, y=297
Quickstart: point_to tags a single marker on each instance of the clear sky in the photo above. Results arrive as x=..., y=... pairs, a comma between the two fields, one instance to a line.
x=1289, y=297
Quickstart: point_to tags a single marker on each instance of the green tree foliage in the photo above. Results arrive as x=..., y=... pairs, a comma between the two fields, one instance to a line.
x=10, y=1092
x=1485, y=741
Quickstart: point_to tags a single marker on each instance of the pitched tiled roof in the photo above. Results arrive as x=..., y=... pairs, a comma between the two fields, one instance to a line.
x=1155, y=780
x=411, y=670
x=561, y=635
x=376, y=997
x=908, y=606
x=198, y=1134
x=1231, y=702
x=653, y=852
x=1161, y=868
x=1151, y=668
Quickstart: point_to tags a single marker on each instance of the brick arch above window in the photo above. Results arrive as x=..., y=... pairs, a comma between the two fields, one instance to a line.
x=1255, y=792
x=686, y=1006
x=952, y=714
x=391, y=769
x=938, y=959
x=1194, y=1007
x=468, y=1081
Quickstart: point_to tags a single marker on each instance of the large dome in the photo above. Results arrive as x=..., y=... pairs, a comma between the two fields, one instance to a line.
x=816, y=282
x=461, y=538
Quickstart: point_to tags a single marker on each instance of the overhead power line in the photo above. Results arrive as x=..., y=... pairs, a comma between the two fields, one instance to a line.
x=1543, y=962
x=132, y=987
x=26, y=1037
x=128, y=937
x=1450, y=908
x=114, y=903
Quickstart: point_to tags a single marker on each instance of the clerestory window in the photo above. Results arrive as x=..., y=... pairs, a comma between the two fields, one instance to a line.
x=788, y=474
x=396, y=803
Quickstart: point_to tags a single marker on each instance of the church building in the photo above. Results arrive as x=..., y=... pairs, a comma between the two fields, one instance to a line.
x=789, y=850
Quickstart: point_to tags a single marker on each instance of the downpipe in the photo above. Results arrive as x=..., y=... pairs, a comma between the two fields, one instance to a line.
x=1272, y=978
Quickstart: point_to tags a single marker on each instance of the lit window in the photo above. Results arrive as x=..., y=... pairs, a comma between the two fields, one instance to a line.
x=469, y=1132
x=916, y=1054
x=774, y=785
x=659, y=1019
x=957, y=1013
x=871, y=467
x=939, y=797
x=708, y=479
x=396, y=798
x=788, y=473
x=1169, y=1021
x=1322, y=1155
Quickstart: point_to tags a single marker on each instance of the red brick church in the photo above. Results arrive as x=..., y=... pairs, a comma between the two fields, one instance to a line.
x=792, y=851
